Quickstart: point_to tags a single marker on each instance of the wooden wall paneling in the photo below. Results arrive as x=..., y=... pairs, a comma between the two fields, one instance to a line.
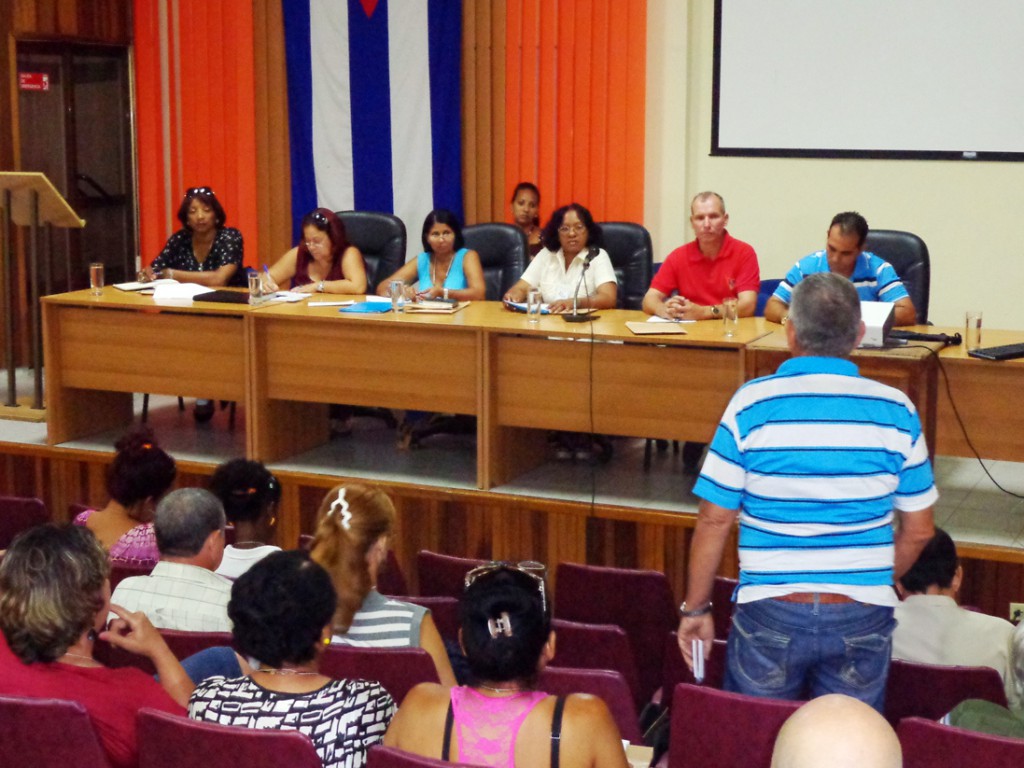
x=499, y=132
x=545, y=46
x=482, y=110
x=273, y=163
x=635, y=96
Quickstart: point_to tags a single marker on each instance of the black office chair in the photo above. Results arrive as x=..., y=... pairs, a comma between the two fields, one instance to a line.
x=909, y=257
x=632, y=255
x=502, y=250
x=382, y=240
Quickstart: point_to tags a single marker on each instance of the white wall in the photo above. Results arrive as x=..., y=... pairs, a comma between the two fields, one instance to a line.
x=967, y=213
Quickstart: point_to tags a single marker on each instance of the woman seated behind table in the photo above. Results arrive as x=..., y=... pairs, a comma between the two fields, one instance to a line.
x=203, y=251
x=54, y=598
x=324, y=262
x=988, y=717
x=281, y=609
x=525, y=204
x=139, y=476
x=353, y=527
x=446, y=268
x=569, y=238
x=502, y=720
x=250, y=494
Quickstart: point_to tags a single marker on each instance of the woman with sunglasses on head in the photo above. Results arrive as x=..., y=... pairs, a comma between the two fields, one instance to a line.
x=203, y=251
x=572, y=239
x=250, y=494
x=446, y=268
x=324, y=262
x=502, y=720
x=525, y=204
x=353, y=527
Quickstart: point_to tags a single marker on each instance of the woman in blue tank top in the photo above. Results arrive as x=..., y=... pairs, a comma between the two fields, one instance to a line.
x=445, y=268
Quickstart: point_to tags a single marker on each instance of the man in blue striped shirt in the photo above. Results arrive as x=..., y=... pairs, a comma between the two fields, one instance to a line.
x=817, y=463
x=844, y=254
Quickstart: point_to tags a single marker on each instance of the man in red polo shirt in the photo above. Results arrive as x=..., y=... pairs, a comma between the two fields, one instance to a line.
x=695, y=278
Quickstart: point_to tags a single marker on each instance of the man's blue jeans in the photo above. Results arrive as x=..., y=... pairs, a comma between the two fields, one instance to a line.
x=793, y=651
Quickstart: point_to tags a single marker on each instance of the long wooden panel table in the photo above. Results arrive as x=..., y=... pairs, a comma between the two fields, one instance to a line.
x=520, y=380
x=672, y=386
x=987, y=394
x=100, y=349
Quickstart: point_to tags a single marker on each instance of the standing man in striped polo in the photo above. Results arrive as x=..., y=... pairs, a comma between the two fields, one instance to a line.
x=817, y=463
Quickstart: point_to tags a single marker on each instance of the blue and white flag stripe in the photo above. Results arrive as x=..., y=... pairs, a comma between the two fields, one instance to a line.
x=375, y=106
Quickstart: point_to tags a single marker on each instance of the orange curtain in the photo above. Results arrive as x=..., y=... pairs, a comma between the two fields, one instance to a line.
x=196, y=116
x=575, y=74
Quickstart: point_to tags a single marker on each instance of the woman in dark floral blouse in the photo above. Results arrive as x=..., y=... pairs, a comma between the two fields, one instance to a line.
x=203, y=251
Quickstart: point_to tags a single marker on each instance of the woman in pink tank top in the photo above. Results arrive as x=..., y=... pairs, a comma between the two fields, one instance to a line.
x=139, y=476
x=501, y=720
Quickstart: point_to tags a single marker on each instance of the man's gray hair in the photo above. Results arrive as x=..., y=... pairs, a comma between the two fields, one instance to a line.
x=825, y=313
x=184, y=519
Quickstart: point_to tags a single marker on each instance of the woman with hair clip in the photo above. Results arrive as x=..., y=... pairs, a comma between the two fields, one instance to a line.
x=324, y=261
x=353, y=527
x=139, y=476
x=502, y=721
x=250, y=494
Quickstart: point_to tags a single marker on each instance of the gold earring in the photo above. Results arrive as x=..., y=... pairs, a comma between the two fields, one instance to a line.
x=327, y=640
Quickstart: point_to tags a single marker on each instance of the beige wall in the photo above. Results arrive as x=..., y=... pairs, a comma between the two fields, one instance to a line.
x=967, y=213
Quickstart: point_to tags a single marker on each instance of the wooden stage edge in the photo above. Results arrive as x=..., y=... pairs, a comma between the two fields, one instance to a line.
x=474, y=523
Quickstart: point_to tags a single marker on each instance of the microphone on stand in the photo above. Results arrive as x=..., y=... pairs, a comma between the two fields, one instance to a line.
x=576, y=317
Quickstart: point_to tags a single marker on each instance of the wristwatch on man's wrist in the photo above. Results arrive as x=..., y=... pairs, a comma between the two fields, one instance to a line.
x=715, y=311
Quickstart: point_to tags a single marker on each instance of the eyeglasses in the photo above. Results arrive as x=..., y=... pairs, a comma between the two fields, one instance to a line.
x=192, y=192
x=531, y=568
x=321, y=220
x=441, y=235
x=310, y=244
x=571, y=229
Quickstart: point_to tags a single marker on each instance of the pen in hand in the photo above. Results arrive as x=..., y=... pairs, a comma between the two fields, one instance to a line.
x=697, y=650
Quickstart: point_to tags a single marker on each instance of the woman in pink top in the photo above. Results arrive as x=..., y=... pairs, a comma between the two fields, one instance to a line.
x=139, y=476
x=502, y=721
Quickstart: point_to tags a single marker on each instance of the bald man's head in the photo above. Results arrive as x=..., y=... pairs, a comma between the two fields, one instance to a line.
x=836, y=731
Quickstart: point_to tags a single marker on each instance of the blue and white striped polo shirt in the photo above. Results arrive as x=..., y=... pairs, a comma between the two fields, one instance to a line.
x=816, y=458
x=873, y=277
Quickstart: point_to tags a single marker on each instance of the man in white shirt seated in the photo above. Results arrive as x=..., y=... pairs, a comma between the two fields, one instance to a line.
x=933, y=629
x=183, y=592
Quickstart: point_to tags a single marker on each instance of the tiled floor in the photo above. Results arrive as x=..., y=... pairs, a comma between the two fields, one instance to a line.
x=971, y=507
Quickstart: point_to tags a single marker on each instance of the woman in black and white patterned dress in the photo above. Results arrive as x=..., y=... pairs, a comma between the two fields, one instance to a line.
x=282, y=609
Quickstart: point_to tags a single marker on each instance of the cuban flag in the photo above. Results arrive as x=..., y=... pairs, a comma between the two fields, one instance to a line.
x=374, y=106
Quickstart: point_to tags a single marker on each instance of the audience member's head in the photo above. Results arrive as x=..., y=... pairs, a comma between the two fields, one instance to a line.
x=281, y=608
x=936, y=570
x=141, y=471
x=351, y=542
x=836, y=731
x=825, y=315
x=506, y=622
x=189, y=526
x=248, y=491
x=53, y=588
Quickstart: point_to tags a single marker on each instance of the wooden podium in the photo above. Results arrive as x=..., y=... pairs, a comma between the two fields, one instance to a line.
x=29, y=200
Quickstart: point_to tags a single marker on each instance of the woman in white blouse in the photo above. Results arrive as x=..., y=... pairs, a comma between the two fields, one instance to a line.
x=571, y=238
